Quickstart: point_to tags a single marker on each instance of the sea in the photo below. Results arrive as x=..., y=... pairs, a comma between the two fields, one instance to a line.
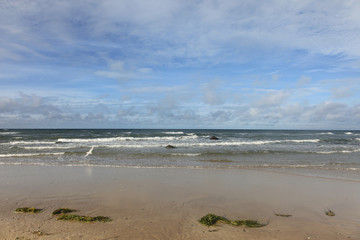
x=328, y=153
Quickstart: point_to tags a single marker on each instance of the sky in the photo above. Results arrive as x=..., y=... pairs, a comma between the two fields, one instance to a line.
x=244, y=64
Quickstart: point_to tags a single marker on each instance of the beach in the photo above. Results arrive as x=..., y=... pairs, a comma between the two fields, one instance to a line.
x=166, y=203
x=179, y=120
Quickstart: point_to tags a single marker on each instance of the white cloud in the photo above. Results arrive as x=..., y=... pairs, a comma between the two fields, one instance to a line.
x=26, y=104
x=273, y=98
x=253, y=112
x=208, y=31
x=212, y=93
x=78, y=44
x=123, y=72
x=174, y=90
x=121, y=76
x=304, y=80
x=342, y=92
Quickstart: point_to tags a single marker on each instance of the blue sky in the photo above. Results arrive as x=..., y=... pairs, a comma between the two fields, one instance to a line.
x=180, y=64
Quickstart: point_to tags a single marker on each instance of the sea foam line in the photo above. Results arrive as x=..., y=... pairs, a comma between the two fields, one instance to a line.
x=8, y=133
x=173, y=133
x=239, y=143
x=29, y=142
x=50, y=147
x=266, y=166
x=29, y=154
x=154, y=144
x=186, y=154
x=340, y=151
x=116, y=139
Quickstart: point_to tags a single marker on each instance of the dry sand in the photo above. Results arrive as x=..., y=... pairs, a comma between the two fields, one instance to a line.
x=147, y=203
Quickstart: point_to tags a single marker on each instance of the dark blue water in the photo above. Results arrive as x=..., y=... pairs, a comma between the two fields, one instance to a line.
x=319, y=153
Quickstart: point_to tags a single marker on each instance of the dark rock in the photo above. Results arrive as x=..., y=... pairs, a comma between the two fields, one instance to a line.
x=214, y=138
x=170, y=146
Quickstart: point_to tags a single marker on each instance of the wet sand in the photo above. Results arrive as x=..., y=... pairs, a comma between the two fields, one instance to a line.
x=152, y=203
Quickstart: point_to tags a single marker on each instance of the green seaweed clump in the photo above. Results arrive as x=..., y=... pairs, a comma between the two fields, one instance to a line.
x=212, y=219
x=74, y=217
x=27, y=210
x=330, y=213
x=63, y=211
x=247, y=223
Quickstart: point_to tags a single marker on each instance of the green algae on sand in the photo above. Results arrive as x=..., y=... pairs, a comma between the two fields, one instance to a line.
x=212, y=219
x=63, y=211
x=78, y=218
x=28, y=210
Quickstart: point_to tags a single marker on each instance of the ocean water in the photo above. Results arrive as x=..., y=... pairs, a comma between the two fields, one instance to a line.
x=315, y=153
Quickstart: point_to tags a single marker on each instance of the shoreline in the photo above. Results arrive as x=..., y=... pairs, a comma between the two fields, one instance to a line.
x=292, y=171
x=166, y=203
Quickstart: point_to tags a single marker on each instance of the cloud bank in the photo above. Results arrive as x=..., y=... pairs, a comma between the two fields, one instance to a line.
x=184, y=64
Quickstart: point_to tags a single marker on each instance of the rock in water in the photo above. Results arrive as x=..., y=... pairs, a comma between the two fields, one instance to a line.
x=214, y=138
x=170, y=146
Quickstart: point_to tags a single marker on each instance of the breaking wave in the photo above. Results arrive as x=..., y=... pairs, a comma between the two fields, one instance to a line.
x=29, y=154
x=119, y=139
x=173, y=133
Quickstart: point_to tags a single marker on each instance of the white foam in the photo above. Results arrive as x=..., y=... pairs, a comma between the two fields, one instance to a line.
x=149, y=145
x=154, y=144
x=8, y=133
x=353, y=169
x=348, y=133
x=186, y=154
x=98, y=165
x=30, y=142
x=29, y=154
x=119, y=139
x=342, y=151
x=327, y=133
x=266, y=166
x=283, y=166
x=173, y=133
x=138, y=142
x=49, y=147
x=304, y=141
x=239, y=143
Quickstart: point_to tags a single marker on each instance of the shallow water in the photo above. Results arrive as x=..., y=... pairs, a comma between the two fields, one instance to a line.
x=316, y=153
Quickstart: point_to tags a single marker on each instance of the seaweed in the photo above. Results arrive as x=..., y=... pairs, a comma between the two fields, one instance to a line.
x=78, y=218
x=212, y=219
x=282, y=215
x=63, y=211
x=330, y=213
x=247, y=223
x=28, y=210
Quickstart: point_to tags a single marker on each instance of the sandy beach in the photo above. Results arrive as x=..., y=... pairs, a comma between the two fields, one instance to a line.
x=165, y=203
